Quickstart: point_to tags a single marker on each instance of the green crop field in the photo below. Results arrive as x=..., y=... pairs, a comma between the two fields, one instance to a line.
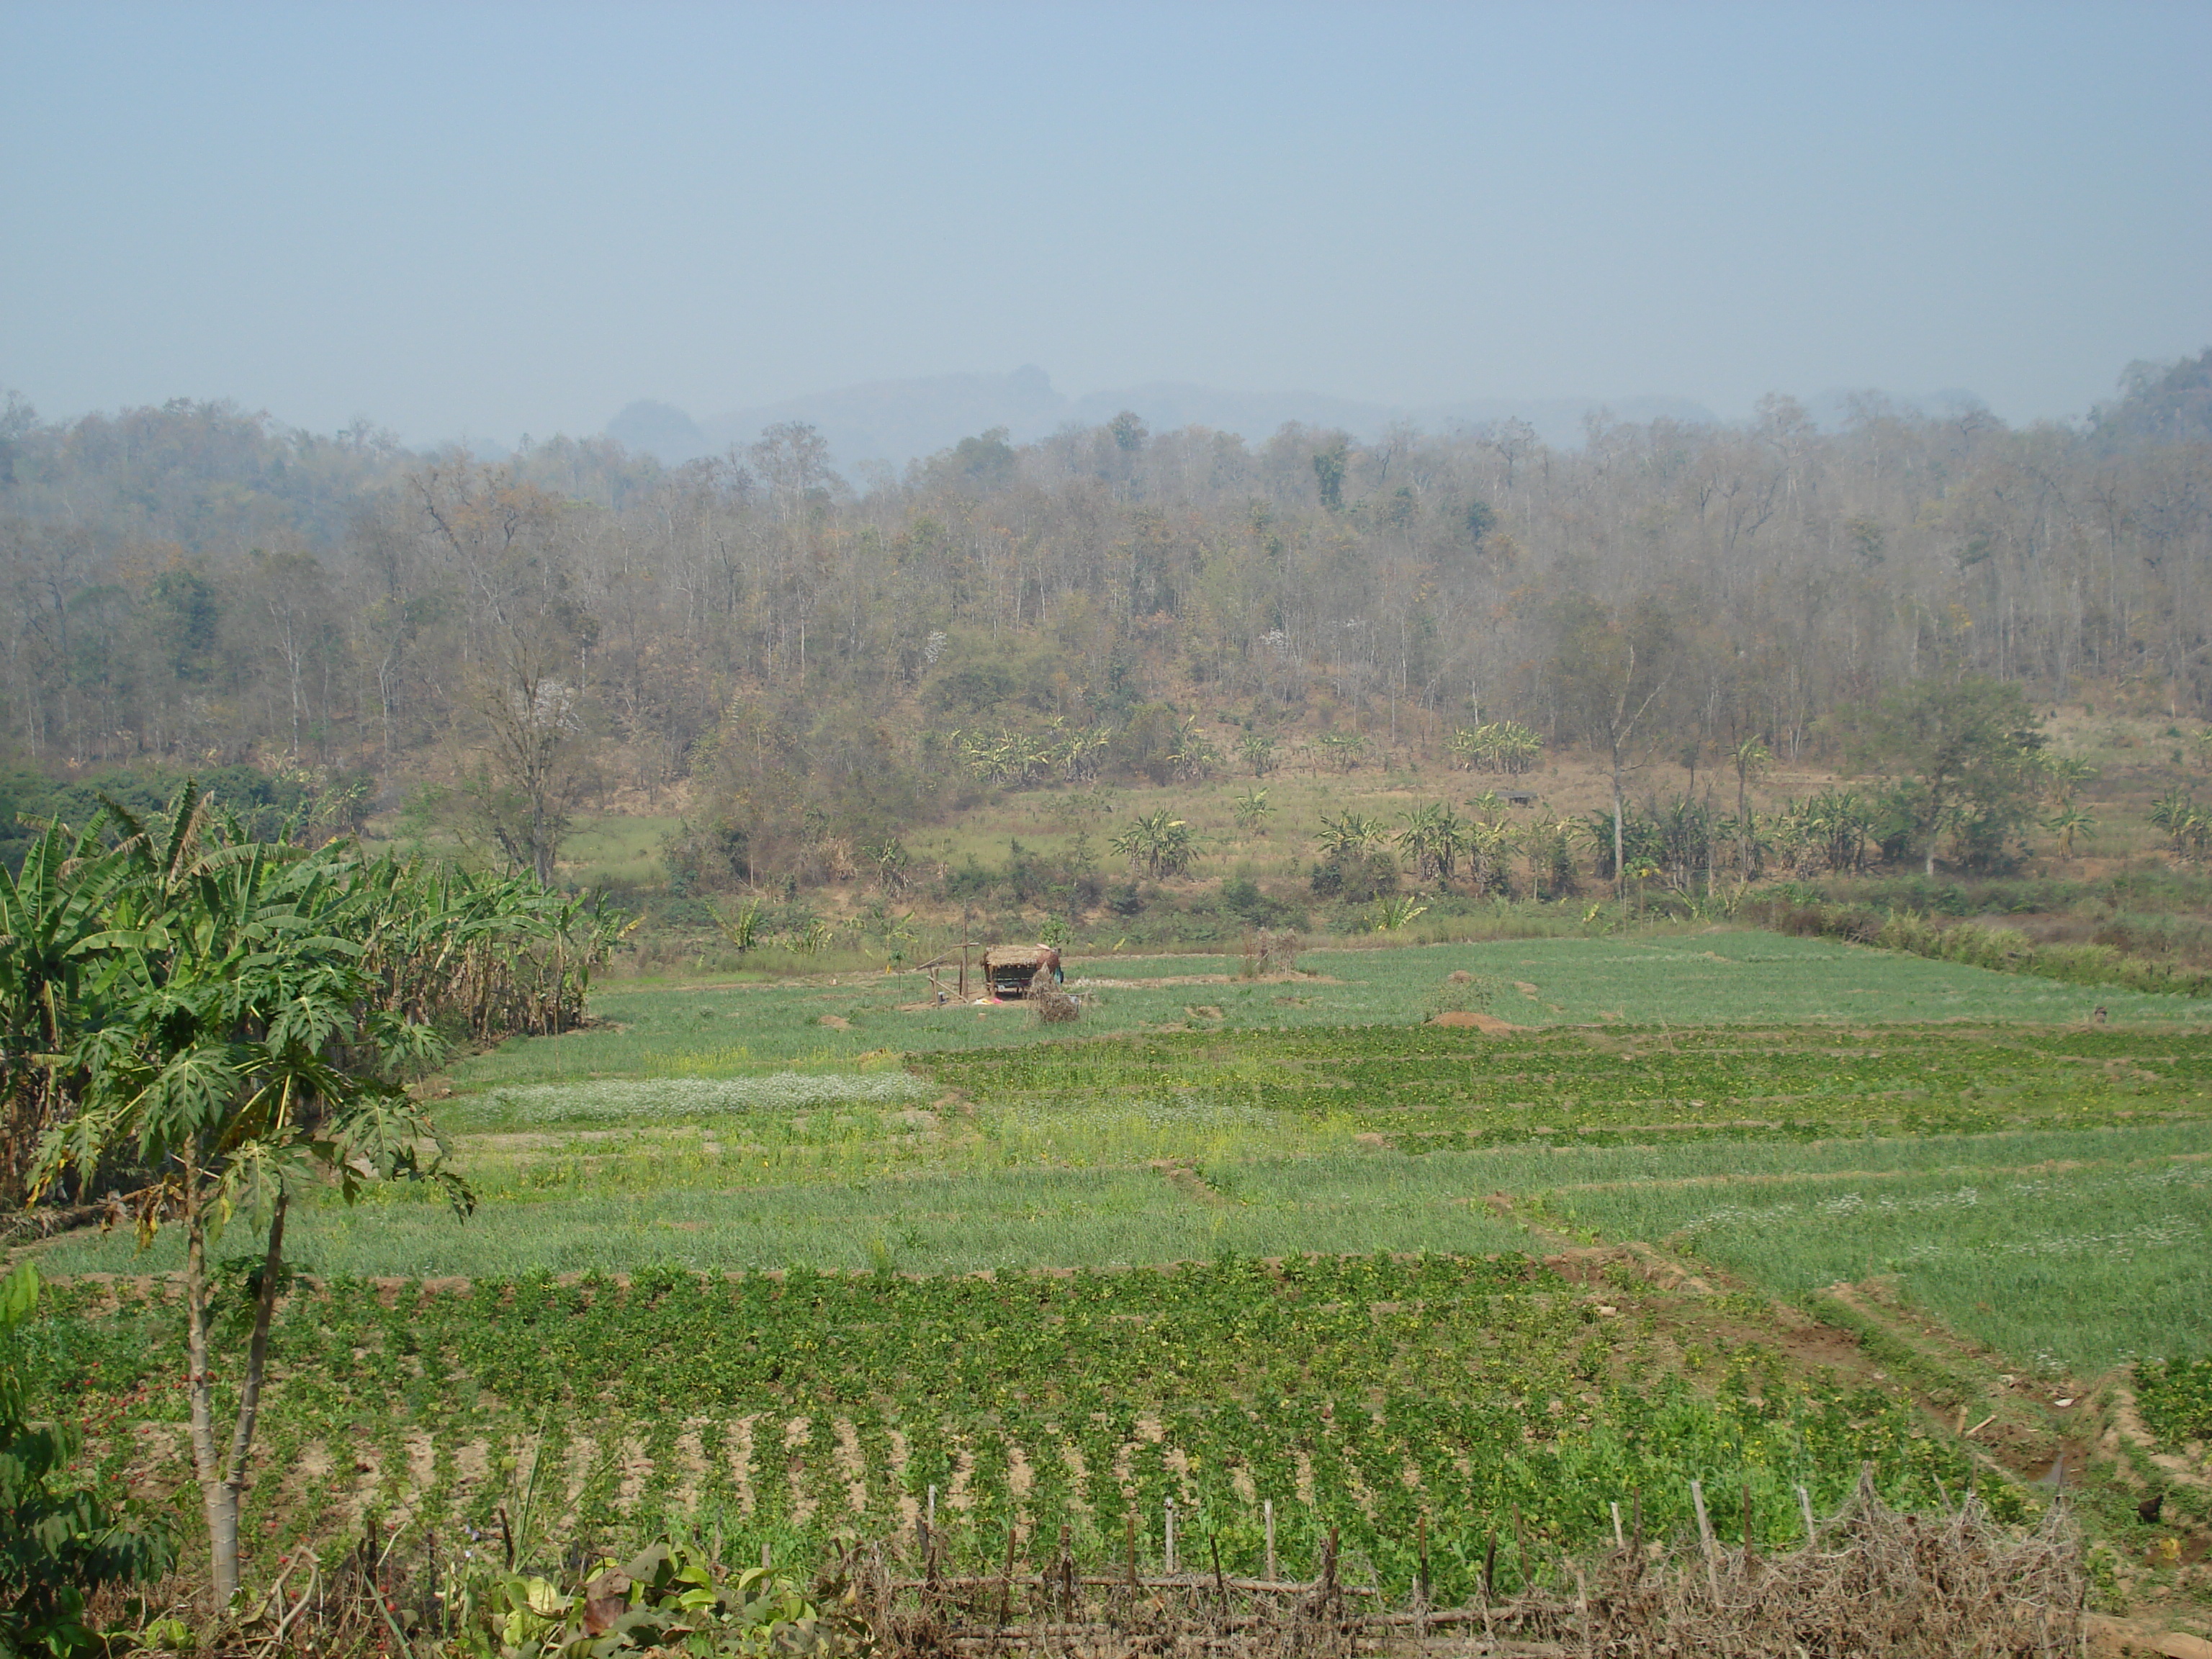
x=723, y=1270
x=1718, y=978
x=1365, y=1393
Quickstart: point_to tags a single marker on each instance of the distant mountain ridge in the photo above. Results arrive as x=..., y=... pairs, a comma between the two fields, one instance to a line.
x=896, y=422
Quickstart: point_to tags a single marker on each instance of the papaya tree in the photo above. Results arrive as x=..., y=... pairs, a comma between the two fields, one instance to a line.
x=241, y=1061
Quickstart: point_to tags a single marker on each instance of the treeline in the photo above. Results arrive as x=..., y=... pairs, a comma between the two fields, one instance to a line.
x=825, y=661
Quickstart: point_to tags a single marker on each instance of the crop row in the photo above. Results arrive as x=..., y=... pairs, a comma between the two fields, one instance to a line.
x=1924, y=1078
x=1370, y=1394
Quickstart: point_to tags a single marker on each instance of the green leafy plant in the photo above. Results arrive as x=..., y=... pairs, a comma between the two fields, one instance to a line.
x=667, y=1599
x=58, y=1541
x=2176, y=1396
x=1463, y=993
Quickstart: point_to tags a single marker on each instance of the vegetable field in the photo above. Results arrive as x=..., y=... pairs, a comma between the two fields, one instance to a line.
x=742, y=1275
x=1715, y=977
x=1482, y=1396
x=1440, y=1086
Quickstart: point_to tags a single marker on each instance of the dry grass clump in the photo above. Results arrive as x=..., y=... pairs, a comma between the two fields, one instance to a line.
x=1053, y=1007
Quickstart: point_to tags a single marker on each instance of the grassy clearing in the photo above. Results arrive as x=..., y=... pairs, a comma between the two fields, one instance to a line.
x=616, y=849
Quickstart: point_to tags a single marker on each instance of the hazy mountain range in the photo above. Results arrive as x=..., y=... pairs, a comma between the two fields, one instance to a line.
x=898, y=421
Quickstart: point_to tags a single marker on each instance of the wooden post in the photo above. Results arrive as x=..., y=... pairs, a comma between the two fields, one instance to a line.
x=1213, y=1543
x=1749, y=1555
x=1066, y=1569
x=1618, y=1543
x=1007, y=1577
x=1805, y=1503
x=1131, y=1519
x=1421, y=1583
x=1268, y=1512
x=1167, y=1538
x=1705, y=1537
x=1520, y=1549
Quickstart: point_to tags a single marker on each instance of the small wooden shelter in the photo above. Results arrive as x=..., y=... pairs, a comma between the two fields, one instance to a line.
x=1010, y=969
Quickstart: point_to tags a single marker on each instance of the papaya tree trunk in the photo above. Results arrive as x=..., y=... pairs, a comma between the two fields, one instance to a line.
x=222, y=1479
x=216, y=1500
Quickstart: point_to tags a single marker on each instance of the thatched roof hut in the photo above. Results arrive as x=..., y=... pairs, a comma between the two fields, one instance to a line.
x=1010, y=969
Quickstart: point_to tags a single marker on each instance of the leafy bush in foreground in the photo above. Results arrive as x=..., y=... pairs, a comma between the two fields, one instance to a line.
x=57, y=1542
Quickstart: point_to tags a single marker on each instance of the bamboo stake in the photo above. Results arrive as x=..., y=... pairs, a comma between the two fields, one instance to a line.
x=1268, y=1511
x=1705, y=1537
x=1618, y=1543
x=1167, y=1550
x=1805, y=1503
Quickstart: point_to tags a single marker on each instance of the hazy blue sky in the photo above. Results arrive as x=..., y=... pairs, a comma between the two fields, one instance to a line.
x=489, y=219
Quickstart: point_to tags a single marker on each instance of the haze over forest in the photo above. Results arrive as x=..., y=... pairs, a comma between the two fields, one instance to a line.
x=195, y=586
x=894, y=422
x=922, y=371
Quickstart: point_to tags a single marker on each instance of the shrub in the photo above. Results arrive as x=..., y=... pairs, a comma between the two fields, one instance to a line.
x=1241, y=897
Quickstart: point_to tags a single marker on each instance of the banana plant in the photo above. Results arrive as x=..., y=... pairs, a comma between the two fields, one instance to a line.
x=1353, y=833
x=2070, y=822
x=1252, y=810
x=742, y=929
x=1162, y=843
x=54, y=938
x=1395, y=910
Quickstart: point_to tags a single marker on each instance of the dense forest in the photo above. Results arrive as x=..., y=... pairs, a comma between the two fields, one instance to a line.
x=821, y=660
